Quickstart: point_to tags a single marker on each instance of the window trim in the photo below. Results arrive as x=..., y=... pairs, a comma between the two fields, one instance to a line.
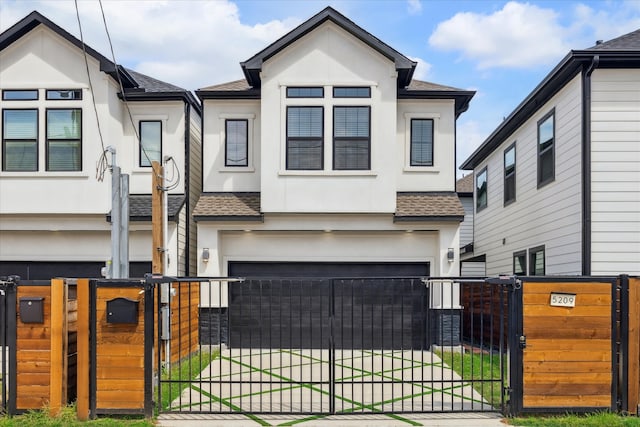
x=46, y=138
x=78, y=91
x=140, y=154
x=320, y=138
x=522, y=253
x=483, y=207
x=367, y=95
x=347, y=138
x=433, y=133
x=36, y=141
x=532, y=253
x=552, y=148
x=507, y=176
x=6, y=91
x=226, y=140
x=288, y=95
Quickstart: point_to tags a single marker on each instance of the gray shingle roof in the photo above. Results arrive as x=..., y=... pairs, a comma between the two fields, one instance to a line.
x=422, y=85
x=630, y=41
x=228, y=207
x=229, y=86
x=149, y=84
x=428, y=207
x=140, y=207
x=465, y=184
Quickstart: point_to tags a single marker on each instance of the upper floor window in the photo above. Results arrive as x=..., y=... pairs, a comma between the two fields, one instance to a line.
x=20, y=95
x=352, y=92
x=150, y=142
x=421, y=142
x=64, y=95
x=351, y=142
x=20, y=140
x=546, y=149
x=305, y=92
x=236, y=142
x=536, y=261
x=520, y=263
x=64, y=139
x=305, y=133
x=481, y=190
x=510, y=174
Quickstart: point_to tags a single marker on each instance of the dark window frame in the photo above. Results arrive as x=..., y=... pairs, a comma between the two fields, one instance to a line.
x=4, y=140
x=411, y=161
x=320, y=138
x=520, y=254
x=351, y=138
x=510, y=175
x=355, y=88
x=291, y=91
x=532, y=258
x=141, y=155
x=226, y=143
x=5, y=92
x=542, y=181
x=49, y=97
x=46, y=139
x=477, y=190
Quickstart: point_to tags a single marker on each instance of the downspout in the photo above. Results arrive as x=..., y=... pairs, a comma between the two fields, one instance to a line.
x=187, y=184
x=586, y=165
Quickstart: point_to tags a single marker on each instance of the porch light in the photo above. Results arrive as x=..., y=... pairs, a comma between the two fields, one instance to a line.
x=450, y=255
x=205, y=255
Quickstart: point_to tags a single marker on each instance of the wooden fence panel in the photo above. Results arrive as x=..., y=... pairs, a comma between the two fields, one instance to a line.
x=633, y=375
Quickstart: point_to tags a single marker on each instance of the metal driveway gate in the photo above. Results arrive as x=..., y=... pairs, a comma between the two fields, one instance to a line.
x=330, y=346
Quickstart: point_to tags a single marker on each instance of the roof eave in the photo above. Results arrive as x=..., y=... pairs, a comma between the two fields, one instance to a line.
x=462, y=98
x=428, y=218
x=228, y=218
x=229, y=94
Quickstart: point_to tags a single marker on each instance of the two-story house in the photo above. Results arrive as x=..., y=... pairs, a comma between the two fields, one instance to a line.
x=557, y=183
x=62, y=105
x=329, y=159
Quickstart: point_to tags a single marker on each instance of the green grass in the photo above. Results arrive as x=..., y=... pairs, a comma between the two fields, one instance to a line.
x=591, y=420
x=67, y=417
x=478, y=366
x=182, y=373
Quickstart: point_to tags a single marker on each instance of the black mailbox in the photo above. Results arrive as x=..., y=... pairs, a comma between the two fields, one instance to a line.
x=122, y=310
x=32, y=309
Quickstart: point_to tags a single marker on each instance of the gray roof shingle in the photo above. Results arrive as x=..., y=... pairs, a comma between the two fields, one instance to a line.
x=228, y=206
x=465, y=184
x=149, y=84
x=140, y=207
x=428, y=207
x=630, y=41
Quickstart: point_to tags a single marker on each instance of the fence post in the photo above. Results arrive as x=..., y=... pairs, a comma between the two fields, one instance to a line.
x=631, y=369
x=82, y=405
x=59, y=344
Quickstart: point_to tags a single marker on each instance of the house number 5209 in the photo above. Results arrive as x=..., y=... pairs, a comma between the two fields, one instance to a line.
x=563, y=300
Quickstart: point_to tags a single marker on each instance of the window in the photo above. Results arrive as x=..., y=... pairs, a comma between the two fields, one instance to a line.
x=481, y=190
x=236, y=143
x=520, y=263
x=305, y=138
x=510, y=174
x=19, y=140
x=150, y=142
x=65, y=95
x=536, y=261
x=352, y=92
x=64, y=136
x=305, y=92
x=546, y=144
x=20, y=95
x=351, y=142
x=421, y=142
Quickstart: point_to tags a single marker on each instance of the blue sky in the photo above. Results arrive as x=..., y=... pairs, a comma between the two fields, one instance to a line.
x=501, y=49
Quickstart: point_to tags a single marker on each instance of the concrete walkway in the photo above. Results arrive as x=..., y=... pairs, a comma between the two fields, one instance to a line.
x=259, y=381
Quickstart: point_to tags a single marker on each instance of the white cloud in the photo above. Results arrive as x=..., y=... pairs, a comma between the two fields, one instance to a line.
x=190, y=44
x=414, y=7
x=423, y=69
x=519, y=35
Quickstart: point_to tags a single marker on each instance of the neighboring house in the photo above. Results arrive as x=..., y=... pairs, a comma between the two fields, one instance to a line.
x=470, y=265
x=54, y=212
x=329, y=159
x=557, y=184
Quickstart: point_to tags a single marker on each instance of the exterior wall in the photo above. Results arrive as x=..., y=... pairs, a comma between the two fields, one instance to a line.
x=466, y=228
x=195, y=186
x=615, y=171
x=549, y=216
x=472, y=269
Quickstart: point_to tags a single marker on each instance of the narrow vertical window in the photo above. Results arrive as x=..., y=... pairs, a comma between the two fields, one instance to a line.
x=236, y=143
x=536, y=261
x=351, y=142
x=304, y=138
x=421, y=142
x=481, y=190
x=510, y=174
x=546, y=149
x=64, y=139
x=19, y=140
x=150, y=142
x=520, y=263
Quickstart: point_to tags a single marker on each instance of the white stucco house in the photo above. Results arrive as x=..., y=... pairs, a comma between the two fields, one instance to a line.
x=329, y=159
x=557, y=183
x=57, y=119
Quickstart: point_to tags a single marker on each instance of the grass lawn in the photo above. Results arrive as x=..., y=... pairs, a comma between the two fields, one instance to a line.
x=67, y=417
x=591, y=420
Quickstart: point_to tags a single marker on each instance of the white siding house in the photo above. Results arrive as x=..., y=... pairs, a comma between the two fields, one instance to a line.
x=558, y=182
x=56, y=123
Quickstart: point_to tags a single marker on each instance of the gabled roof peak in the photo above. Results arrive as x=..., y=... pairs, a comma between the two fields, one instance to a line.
x=252, y=66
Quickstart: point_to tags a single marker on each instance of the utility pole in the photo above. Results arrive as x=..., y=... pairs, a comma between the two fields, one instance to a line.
x=119, y=220
x=157, y=219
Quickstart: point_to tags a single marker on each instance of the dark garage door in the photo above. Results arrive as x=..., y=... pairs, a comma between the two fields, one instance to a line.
x=289, y=305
